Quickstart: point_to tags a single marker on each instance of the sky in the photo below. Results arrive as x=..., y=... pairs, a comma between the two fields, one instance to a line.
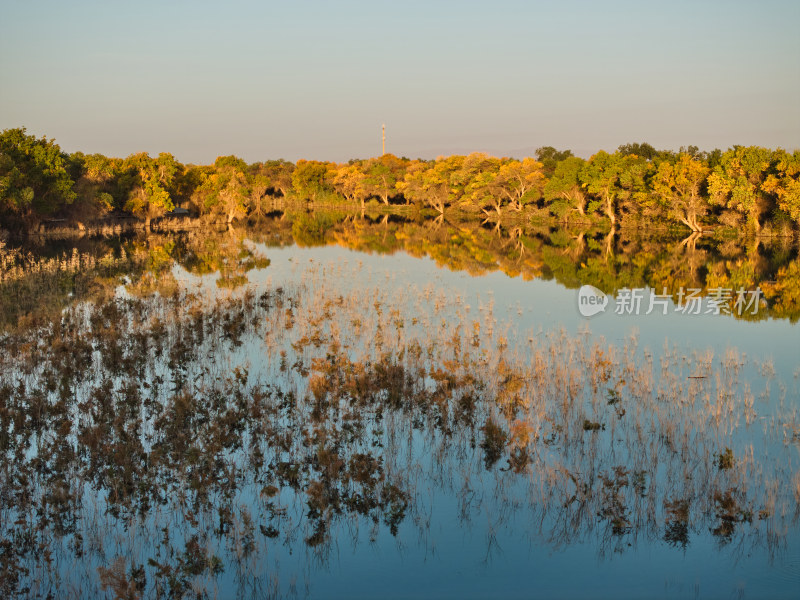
x=317, y=79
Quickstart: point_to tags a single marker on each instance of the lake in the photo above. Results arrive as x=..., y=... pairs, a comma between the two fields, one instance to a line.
x=341, y=406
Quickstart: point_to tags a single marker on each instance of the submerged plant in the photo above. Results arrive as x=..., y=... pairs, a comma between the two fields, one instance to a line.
x=195, y=434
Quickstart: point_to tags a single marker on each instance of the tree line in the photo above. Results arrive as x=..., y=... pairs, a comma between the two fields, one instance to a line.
x=744, y=187
x=40, y=284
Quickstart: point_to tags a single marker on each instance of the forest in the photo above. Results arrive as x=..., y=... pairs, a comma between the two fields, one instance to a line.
x=748, y=189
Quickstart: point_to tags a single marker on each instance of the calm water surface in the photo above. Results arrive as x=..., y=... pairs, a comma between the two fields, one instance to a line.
x=461, y=560
x=542, y=513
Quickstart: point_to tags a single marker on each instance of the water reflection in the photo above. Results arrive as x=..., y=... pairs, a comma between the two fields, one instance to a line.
x=162, y=441
x=609, y=260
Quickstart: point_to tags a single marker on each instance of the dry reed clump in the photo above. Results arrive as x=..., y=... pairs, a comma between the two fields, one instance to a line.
x=153, y=445
x=34, y=289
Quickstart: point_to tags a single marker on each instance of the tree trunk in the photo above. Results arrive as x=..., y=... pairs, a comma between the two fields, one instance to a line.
x=610, y=212
x=580, y=246
x=691, y=224
x=690, y=243
x=610, y=241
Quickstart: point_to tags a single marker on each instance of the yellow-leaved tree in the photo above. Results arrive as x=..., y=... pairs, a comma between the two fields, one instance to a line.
x=677, y=187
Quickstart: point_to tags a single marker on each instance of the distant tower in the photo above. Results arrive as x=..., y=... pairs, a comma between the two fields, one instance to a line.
x=383, y=146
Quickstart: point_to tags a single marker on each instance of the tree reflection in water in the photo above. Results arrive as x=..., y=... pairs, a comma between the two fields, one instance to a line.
x=157, y=440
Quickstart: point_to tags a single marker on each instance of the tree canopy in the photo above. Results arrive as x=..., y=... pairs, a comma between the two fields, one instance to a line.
x=747, y=187
x=33, y=175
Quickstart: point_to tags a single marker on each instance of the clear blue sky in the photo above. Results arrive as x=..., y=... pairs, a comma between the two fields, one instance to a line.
x=316, y=79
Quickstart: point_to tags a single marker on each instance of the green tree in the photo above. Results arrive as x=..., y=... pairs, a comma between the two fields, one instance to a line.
x=96, y=184
x=153, y=177
x=187, y=179
x=643, y=149
x=477, y=177
x=633, y=195
x=312, y=179
x=34, y=180
x=225, y=190
x=381, y=176
x=280, y=175
x=712, y=158
x=617, y=182
x=565, y=188
x=550, y=157
x=677, y=187
x=260, y=185
x=600, y=177
x=276, y=175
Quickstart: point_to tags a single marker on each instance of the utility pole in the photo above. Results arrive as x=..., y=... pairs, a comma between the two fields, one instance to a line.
x=383, y=132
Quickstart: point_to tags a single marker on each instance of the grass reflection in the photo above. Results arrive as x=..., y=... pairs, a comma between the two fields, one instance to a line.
x=158, y=444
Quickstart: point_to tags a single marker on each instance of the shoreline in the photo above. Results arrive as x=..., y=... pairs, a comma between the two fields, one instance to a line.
x=116, y=225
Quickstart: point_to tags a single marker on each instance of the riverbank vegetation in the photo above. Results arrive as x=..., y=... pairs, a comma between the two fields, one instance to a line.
x=747, y=189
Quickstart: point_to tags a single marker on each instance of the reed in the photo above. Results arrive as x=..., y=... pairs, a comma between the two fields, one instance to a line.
x=158, y=444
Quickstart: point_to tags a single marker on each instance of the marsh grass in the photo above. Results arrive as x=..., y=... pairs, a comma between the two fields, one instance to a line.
x=169, y=444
